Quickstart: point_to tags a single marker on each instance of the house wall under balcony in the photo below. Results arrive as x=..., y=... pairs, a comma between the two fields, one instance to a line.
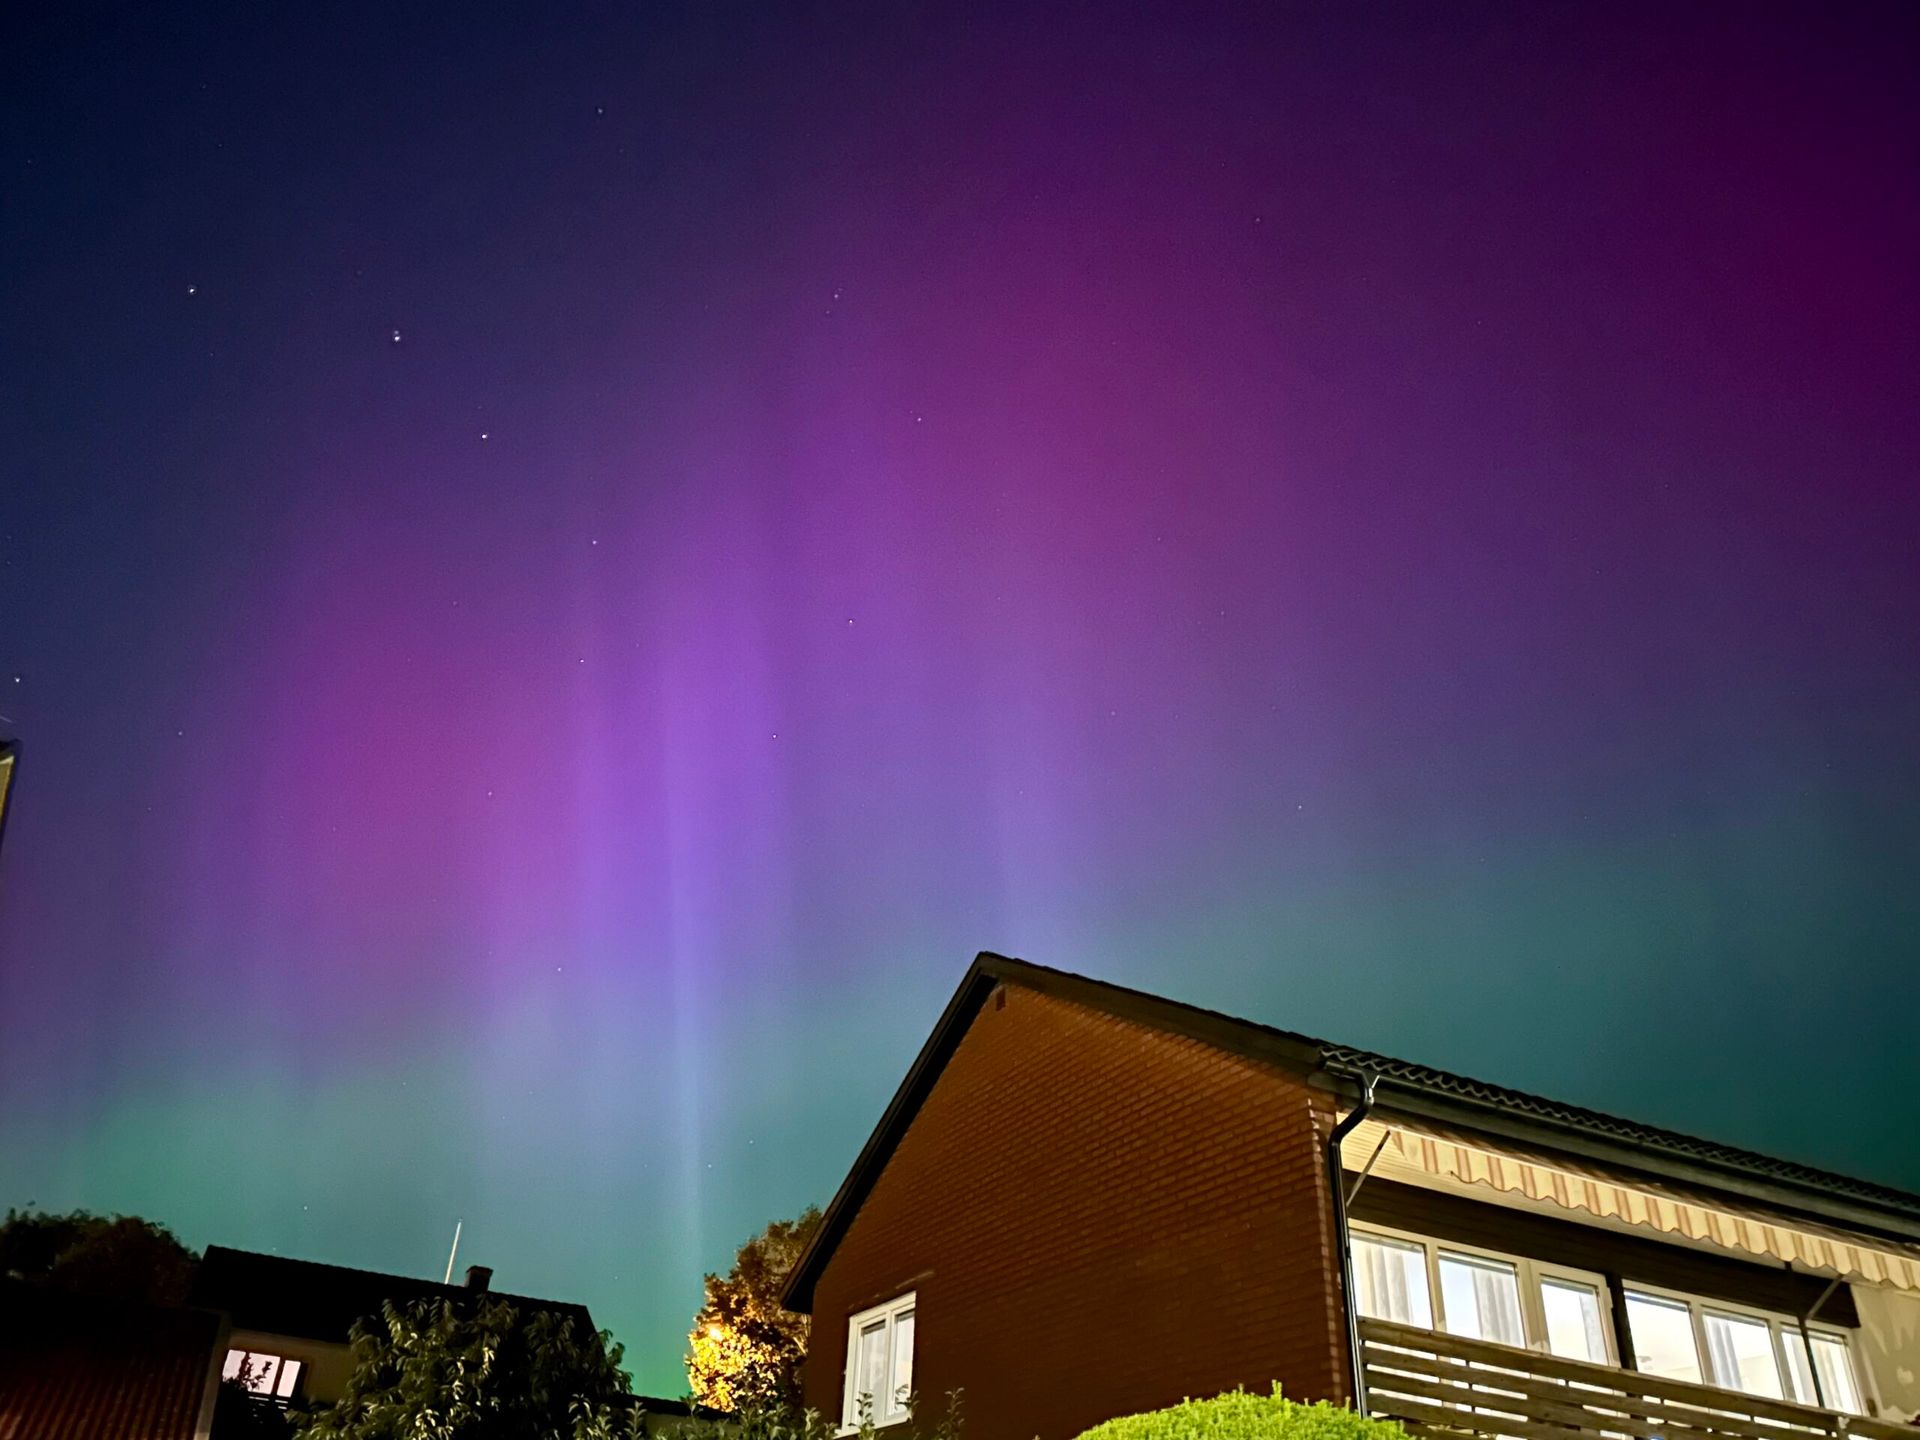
x=1889, y=1339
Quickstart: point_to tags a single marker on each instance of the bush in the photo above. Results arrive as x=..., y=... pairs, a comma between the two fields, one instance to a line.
x=1240, y=1416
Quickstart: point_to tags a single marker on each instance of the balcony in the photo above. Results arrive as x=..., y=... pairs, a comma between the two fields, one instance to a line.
x=1442, y=1387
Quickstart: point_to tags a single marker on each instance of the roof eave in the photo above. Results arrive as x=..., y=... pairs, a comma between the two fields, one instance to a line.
x=797, y=1295
x=1647, y=1162
x=1435, y=1097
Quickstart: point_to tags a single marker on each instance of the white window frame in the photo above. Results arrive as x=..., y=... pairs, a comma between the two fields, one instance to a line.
x=279, y=1378
x=1785, y=1330
x=1527, y=1274
x=887, y=1409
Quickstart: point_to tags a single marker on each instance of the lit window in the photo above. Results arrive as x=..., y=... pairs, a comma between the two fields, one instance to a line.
x=1506, y=1300
x=1575, y=1330
x=1838, y=1388
x=1391, y=1276
x=1502, y=1299
x=266, y=1375
x=1740, y=1353
x=1481, y=1298
x=879, y=1364
x=1837, y=1383
x=1663, y=1340
x=1746, y=1350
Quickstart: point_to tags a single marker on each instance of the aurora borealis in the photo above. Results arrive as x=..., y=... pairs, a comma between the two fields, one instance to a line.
x=1398, y=521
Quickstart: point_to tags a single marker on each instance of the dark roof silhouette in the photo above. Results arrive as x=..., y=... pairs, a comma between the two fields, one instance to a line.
x=89, y=1369
x=282, y=1296
x=1547, y=1127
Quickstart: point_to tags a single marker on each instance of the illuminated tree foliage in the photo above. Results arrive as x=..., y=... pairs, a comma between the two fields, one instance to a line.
x=744, y=1351
x=479, y=1370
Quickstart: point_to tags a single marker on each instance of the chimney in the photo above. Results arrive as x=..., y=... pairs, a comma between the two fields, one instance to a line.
x=479, y=1277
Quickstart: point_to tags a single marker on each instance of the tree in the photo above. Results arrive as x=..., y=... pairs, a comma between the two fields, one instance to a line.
x=119, y=1257
x=745, y=1350
x=478, y=1370
x=239, y=1414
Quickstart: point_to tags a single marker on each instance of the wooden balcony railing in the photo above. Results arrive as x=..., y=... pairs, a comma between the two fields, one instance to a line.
x=1442, y=1387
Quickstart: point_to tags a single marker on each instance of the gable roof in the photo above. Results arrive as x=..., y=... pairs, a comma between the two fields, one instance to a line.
x=90, y=1369
x=1404, y=1087
x=282, y=1296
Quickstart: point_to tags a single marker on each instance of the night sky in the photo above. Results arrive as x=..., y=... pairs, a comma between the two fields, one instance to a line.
x=562, y=569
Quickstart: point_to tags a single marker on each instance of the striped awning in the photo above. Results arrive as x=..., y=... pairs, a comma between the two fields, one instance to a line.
x=1427, y=1154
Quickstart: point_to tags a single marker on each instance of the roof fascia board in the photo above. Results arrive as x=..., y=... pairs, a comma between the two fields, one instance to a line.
x=797, y=1294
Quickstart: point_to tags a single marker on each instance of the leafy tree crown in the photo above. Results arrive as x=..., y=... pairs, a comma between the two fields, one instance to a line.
x=744, y=1350
x=478, y=1370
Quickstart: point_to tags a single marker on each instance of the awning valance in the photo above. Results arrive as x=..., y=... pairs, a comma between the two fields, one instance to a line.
x=1424, y=1153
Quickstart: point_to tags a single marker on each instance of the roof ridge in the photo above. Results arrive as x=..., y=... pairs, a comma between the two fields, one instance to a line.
x=1867, y=1206
x=451, y=1287
x=1488, y=1091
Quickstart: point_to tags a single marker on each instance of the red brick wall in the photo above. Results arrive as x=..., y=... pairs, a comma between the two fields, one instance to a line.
x=1097, y=1218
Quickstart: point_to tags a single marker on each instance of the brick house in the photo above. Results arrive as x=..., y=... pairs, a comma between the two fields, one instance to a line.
x=289, y=1322
x=1086, y=1201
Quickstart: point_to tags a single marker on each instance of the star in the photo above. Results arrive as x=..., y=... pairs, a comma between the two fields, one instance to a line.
x=193, y=289
x=483, y=434
x=396, y=337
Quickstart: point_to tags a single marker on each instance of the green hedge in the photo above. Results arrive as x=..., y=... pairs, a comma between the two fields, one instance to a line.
x=1240, y=1416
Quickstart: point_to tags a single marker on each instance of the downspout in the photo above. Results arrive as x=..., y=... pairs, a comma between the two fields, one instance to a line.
x=1343, y=1237
x=1806, y=1339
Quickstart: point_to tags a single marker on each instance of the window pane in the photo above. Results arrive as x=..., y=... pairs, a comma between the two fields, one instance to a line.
x=870, y=1369
x=1573, y=1320
x=1740, y=1354
x=1481, y=1299
x=255, y=1371
x=1662, y=1337
x=1391, y=1277
x=902, y=1391
x=1836, y=1374
x=289, y=1373
x=1799, y=1378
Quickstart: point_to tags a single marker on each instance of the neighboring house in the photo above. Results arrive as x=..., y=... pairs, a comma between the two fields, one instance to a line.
x=1086, y=1201
x=291, y=1320
x=77, y=1368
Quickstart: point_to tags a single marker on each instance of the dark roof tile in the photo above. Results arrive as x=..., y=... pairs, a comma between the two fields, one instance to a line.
x=86, y=1369
x=282, y=1296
